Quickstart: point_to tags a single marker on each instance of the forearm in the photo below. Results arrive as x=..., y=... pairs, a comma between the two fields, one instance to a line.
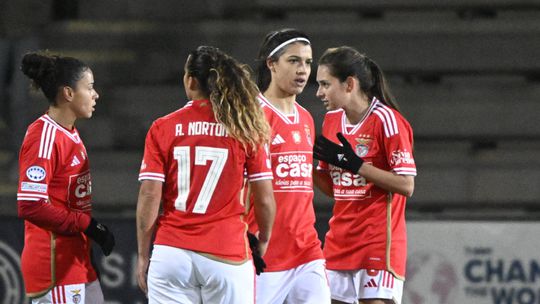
x=323, y=182
x=264, y=208
x=389, y=181
x=146, y=218
x=47, y=216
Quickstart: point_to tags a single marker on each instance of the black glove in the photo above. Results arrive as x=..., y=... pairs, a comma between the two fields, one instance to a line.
x=260, y=265
x=339, y=156
x=101, y=235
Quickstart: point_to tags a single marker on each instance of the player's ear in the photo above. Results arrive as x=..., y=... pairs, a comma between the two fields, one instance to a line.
x=351, y=83
x=192, y=83
x=67, y=93
x=270, y=64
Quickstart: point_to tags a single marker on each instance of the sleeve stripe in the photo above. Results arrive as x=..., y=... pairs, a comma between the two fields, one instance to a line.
x=150, y=174
x=31, y=197
x=389, y=121
x=261, y=174
x=47, y=140
x=405, y=171
x=141, y=178
x=261, y=178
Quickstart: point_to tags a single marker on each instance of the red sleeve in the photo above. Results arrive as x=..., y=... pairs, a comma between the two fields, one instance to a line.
x=47, y=216
x=398, y=148
x=153, y=164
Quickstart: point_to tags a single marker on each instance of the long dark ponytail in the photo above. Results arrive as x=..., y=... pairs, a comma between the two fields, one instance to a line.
x=345, y=61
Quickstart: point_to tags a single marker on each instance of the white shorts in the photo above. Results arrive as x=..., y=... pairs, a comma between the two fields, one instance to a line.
x=177, y=275
x=84, y=293
x=306, y=283
x=349, y=286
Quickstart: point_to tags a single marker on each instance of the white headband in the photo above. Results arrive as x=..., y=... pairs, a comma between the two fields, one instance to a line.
x=279, y=47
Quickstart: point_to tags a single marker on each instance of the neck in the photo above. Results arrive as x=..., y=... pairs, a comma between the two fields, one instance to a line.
x=357, y=109
x=63, y=117
x=282, y=101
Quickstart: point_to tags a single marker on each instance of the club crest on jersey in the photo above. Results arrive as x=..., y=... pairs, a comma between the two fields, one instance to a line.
x=296, y=137
x=308, y=134
x=362, y=146
x=76, y=297
x=36, y=173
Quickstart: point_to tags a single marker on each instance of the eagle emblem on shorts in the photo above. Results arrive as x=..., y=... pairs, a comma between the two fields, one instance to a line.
x=76, y=298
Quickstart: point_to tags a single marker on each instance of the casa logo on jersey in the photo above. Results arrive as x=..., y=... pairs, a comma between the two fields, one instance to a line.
x=297, y=138
x=401, y=157
x=36, y=173
x=362, y=146
x=80, y=190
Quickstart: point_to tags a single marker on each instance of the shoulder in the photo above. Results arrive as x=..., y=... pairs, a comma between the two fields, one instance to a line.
x=303, y=112
x=390, y=119
x=334, y=115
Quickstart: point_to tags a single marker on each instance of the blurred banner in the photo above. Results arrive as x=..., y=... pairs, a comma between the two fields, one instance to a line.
x=117, y=271
x=449, y=263
x=473, y=262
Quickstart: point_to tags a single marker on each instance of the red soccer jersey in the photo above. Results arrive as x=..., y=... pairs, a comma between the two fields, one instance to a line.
x=367, y=230
x=294, y=238
x=202, y=169
x=53, y=165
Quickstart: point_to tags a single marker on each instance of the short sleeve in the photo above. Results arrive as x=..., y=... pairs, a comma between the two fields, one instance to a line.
x=398, y=147
x=153, y=164
x=258, y=165
x=37, y=160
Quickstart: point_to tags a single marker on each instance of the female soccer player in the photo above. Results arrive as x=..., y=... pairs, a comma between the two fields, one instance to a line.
x=54, y=195
x=366, y=157
x=295, y=271
x=194, y=161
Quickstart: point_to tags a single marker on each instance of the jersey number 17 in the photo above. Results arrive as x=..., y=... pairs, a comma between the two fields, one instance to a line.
x=217, y=156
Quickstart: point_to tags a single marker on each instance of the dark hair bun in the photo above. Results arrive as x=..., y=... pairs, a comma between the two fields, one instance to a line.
x=38, y=67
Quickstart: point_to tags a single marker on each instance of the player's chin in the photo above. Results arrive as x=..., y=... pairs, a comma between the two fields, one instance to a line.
x=329, y=106
x=87, y=114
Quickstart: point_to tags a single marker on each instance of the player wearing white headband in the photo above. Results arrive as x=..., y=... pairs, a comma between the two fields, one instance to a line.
x=295, y=271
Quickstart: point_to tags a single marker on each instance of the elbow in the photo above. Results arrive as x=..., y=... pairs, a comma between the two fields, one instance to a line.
x=408, y=190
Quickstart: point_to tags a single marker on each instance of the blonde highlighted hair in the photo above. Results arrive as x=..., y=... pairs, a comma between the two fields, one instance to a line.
x=233, y=94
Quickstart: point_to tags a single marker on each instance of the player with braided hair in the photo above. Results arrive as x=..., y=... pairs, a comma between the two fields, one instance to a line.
x=194, y=163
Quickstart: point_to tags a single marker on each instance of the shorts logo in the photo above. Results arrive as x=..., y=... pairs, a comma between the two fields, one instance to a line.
x=36, y=173
x=371, y=283
x=76, y=297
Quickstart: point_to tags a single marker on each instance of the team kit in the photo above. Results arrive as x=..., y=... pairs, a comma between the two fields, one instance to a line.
x=225, y=209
